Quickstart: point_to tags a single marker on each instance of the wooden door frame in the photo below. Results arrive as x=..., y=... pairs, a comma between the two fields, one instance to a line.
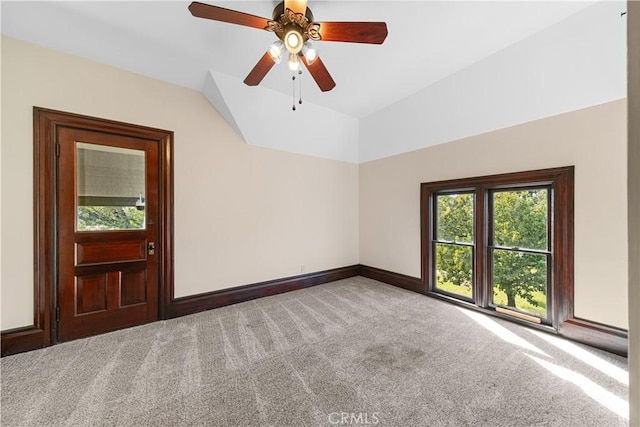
x=45, y=145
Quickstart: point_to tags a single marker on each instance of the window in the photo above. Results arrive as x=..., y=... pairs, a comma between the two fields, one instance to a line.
x=453, y=244
x=503, y=243
x=519, y=250
x=110, y=182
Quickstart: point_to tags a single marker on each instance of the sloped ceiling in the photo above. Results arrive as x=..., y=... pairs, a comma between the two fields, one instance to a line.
x=428, y=41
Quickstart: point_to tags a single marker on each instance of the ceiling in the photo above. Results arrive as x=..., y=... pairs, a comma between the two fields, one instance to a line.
x=428, y=41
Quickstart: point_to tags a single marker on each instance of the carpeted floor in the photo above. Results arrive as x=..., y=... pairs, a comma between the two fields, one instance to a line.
x=353, y=352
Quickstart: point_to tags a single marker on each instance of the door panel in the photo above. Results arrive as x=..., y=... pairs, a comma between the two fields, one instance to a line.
x=133, y=288
x=109, y=252
x=107, y=218
x=91, y=293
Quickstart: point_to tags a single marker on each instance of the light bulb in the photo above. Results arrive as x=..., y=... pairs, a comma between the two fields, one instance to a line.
x=275, y=51
x=293, y=40
x=294, y=62
x=309, y=53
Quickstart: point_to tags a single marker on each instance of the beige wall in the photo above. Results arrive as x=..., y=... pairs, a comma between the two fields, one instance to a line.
x=594, y=140
x=242, y=214
x=246, y=214
x=633, y=44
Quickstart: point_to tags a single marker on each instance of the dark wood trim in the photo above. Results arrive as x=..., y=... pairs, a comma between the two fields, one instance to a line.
x=563, y=241
x=604, y=337
x=594, y=334
x=400, y=280
x=482, y=294
x=426, y=232
x=196, y=303
x=45, y=122
x=504, y=180
x=22, y=339
x=166, y=226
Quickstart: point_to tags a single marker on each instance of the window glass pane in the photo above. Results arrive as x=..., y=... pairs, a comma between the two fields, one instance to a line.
x=100, y=218
x=455, y=217
x=520, y=281
x=110, y=188
x=454, y=269
x=520, y=219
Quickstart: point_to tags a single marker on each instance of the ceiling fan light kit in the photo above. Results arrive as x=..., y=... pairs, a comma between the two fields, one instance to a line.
x=294, y=62
x=276, y=50
x=293, y=40
x=309, y=53
x=293, y=23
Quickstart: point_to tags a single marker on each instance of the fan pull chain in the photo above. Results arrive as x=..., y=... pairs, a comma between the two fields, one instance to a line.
x=300, y=86
x=293, y=92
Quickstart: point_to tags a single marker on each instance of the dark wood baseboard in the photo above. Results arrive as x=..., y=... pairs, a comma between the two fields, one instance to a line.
x=196, y=303
x=400, y=280
x=596, y=335
x=31, y=338
x=21, y=339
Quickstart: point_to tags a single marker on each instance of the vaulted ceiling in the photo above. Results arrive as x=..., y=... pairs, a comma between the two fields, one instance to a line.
x=428, y=41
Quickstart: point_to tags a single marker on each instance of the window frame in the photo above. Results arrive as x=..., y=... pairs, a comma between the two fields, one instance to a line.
x=560, y=182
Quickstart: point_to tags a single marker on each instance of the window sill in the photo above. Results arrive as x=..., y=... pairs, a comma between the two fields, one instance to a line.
x=492, y=312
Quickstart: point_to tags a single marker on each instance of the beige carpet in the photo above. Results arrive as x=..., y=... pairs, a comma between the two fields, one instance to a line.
x=353, y=352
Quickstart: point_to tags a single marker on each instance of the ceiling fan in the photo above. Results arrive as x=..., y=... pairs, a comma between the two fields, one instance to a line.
x=293, y=24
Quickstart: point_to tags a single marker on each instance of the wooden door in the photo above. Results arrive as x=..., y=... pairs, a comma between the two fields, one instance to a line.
x=107, y=207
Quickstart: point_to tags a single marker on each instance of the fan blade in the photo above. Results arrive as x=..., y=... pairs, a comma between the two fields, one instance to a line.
x=320, y=74
x=260, y=70
x=298, y=6
x=216, y=13
x=353, y=32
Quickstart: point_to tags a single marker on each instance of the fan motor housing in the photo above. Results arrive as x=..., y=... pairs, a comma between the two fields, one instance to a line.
x=278, y=11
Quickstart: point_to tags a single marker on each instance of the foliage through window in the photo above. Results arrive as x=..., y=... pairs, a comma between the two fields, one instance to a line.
x=519, y=248
x=454, y=243
x=101, y=218
x=493, y=241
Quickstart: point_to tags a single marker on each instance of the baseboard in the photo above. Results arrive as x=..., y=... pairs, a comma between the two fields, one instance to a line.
x=400, y=280
x=596, y=335
x=31, y=338
x=604, y=337
x=21, y=339
x=196, y=303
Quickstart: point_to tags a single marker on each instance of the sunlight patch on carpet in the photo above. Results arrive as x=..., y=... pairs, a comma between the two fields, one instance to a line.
x=500, y=331
x=585, y=356
x=590, y=388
